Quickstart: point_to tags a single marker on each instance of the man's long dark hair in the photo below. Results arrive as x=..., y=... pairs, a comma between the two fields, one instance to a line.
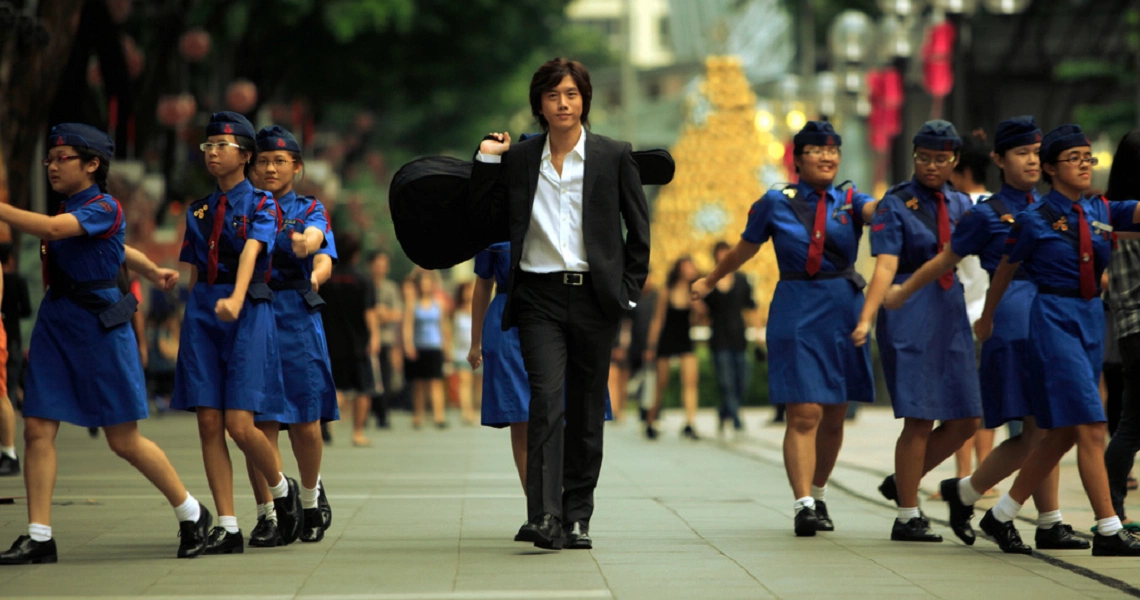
x=549, y=75
x=1124, y=178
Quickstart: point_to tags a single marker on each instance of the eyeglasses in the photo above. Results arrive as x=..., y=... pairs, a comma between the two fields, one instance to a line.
x=208, y=146
x=280, y=163
x=829, y=152
x=59, y=160
x=939, y=161
x=1077, y=160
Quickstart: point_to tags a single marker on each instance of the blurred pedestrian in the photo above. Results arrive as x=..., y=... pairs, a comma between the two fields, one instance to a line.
x=427, y=345
x=729, y=302
x=670, y=338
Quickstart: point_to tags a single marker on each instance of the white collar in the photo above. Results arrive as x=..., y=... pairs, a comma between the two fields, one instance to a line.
x=579, y=148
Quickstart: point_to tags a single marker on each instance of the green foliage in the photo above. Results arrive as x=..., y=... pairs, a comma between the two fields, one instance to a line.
x=348, y=18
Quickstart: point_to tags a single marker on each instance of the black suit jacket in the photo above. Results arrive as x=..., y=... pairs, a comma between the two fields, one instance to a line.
x=502, y=195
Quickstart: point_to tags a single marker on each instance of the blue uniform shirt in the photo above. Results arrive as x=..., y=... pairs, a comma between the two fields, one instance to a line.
x=97, y=255
x=250, y=214
x=982, y=232
x=1050, y=257
x=772, y=216
x=298, y=214
x=897, y=230
x=495, y=262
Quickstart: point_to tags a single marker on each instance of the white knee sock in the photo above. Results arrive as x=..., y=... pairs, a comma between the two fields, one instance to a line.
x=281, y=489
x=967, y=493
x=802, y=503
x=1047, y=520
x=1006, y=509
x=818, y=493
x=189, y=510
x=1109, y=526
x=309, y=497
x=42, y=533
x=229, y=524
x=906, y=514
x=9, y=451
x=268, y=511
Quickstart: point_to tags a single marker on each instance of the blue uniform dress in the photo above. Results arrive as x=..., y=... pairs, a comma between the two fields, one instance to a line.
x=927, y=347
x=506, y=388
x=229, y=366
x=1066, y=332
x=307, y=374
x=79, y=371
x=1004, y=371
x=810, y=354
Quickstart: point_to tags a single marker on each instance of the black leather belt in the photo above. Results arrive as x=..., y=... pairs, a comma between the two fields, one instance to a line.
x=803, y=276
x=1064, y=292
x=564, y=277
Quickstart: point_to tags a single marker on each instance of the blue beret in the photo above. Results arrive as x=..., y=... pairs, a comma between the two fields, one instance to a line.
x=817, y=133
x=1018, y=131
x=82, y=136
x=938, y=135
x=1060, y=139
x=229, y=123
x=276, y=137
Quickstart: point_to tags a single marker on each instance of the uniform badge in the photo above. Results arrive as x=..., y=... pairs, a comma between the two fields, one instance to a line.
x=1007, y=219
x=790, y=192
x=912, y=204
x=201, y=212
x=1062, y=224
x=843, y=218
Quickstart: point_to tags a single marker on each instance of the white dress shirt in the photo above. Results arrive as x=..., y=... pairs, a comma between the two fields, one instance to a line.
x=555, y=241
x=975, y=280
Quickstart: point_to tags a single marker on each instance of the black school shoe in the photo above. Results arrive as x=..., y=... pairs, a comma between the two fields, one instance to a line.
x=1122, y=543
x=806, y=522
x=224, y=542
x=265, y=534
x=915, y=530
x=1059, y=537
x=822, y=519
x=27, y=551
x=1005, y=534
x=289, y=517
x=960, y=512
x=312, y=526
x=323, y=504
x=578, y=537
x=194, y=534
x=527, y=533
x=889, y=489
x=9, y=466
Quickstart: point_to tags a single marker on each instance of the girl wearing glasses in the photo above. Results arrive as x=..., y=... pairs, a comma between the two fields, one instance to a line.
x=1064, y=243
x=815, y=227
x=1004, y=372
x=926, y=346
x=303, y=255
x=228, y=367
x=83, y=361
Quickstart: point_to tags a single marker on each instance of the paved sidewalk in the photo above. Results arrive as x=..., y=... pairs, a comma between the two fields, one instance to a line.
x=429, y=514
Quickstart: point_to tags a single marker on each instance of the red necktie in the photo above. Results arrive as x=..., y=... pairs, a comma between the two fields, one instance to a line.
x=215, y=235
x=818, y=234
x=1029, y=197
x=947, y=278
x=1088, y=280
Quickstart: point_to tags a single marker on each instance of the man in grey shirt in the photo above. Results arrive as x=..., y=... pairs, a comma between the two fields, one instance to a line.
x=390, y=311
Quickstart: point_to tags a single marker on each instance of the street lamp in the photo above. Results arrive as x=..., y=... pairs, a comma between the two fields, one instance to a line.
x=957, y=7
x=1006, y=7
x=849, y=38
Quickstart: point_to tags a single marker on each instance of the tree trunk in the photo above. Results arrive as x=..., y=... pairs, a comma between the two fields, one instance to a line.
x=28, y=79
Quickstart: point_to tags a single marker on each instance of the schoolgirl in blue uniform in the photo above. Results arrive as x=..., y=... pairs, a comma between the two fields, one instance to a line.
x=302, y=259
x=83, y=360
x=228, y=367
x=1064, y=243
x=813, y=366
x=926, y=346
x=1004, y=368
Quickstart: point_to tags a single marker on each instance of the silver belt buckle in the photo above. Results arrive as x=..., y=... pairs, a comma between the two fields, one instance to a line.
x=572, y=278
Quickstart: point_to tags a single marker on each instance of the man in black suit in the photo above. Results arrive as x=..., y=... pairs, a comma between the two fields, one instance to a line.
x=560, y=199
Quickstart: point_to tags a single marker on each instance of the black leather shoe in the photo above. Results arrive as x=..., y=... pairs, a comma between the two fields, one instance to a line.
x=1122, y=543
x=806, y=522
x=265, y=534
x=915, y=530
x=689, y=432
x=822, y=519
x=527, y=533
x=889, y=489
x=548, y=533
x=578, y=538
x=9, y=466
x=224, y=542
x=650, y=432
x=1059, y=537
x=323, y=504
x=312, y=526
x=193, y=534
x=960, y=513
x=27, y=551
x=1005, y=534
x=289, y=513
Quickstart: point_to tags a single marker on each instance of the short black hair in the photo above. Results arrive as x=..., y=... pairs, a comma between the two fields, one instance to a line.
x=975, y=158
x=549, y=75
x=1123, y=178
x=247, y=145
x=87, y=155
x=721, y=245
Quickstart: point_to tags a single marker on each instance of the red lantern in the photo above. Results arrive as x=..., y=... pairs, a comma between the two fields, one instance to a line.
x=194, y=45
x=937, y=52
x=241, y=96
x=885, y=120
